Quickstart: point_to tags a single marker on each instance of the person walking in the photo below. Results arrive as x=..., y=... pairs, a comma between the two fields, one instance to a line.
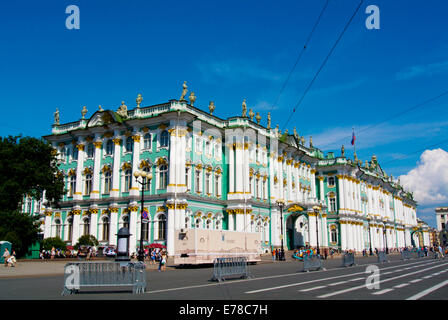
x=6, y=256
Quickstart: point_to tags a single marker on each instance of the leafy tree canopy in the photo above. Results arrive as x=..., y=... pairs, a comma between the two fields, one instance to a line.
x=86, y=240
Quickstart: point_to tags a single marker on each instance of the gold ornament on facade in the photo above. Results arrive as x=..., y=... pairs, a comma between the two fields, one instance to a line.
x=251, y=114
x=258, y=118
x=139, y=100
x=113, y=210
x=136, y=138
x=116, y=141
x=83, y=112
x=98, y=144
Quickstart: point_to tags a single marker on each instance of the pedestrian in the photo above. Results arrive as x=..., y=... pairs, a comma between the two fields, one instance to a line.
x=164, y=258
x=6, y=256
x=12, y=259
x=273, y=254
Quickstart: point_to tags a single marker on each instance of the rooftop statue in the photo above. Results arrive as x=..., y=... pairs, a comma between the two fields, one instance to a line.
x=311, y=142
x=192, y=98
x=244, y=109
x=56, y=116
x=343, y=151
x=100, y=108
x=269, y=121
x=184, y=91
x=123, y=110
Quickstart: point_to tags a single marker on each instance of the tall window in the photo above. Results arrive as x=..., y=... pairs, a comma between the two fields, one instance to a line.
x=187, y=178
x=58, y=228
x=164, y=139
x=75, y=153
x=86, y=226
x=208, y=150
x=145, y=229
x=162, y=227
x=109, y=147
x=163, y=176
x=198, y=223
x=90, y=150
x=70, y=228
x=127, y=180
x=332, y=204
x=197, y=181
x=331, y=182
x=208, y=224
x=207, y=183
x=126, y=221
x=106, y=224
x=145, y=185
x=263, y=191
x=107, y=181
x=147, y=141
x=257, y=182
x=217, y=185
x=129, y=144
x=334, y=234
x=88, y=184
x=63, y=154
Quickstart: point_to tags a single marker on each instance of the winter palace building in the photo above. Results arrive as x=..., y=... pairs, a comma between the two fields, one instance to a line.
x=231, y=176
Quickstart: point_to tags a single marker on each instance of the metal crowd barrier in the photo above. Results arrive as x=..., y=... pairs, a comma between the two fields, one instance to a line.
x=348, y=259
x=406, y=255
x=232, y=266
x=312, y=262
x=104, y=274
x=382, y=257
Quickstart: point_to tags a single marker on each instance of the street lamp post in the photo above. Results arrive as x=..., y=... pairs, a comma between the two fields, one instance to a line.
x=385, y=238
x=146, y=180
x=281, y=204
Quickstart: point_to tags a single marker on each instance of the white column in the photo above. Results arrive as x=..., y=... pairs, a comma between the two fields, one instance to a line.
x=170, y=231
x=135, y=188
x=76, y=229
x=47, y=230
x=79, y=168
x=113, y=227
x=312, y=227
x=94, y=223
x=341, y=193
x=343, y=235
x=133, y=221
x=95, y=194
x=116, y=168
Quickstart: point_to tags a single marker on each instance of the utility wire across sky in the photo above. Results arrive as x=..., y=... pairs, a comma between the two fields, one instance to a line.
x=300, y=55
x=323, y=64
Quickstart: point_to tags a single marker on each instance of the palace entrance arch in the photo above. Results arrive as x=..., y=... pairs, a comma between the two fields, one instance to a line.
x=297, y=227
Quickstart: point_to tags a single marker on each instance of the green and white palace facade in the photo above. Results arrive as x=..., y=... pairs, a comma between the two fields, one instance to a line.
x=223, y=176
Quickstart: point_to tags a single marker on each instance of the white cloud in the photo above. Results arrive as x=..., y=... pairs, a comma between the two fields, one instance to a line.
x=429, y=180
x=422, y=70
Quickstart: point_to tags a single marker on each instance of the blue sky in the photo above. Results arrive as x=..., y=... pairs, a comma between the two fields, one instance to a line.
x=234, y=50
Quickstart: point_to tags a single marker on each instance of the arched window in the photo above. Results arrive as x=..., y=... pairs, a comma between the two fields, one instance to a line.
x=109, y=147
x=125, y=221
x=145, y=185
x=218, y=224
x=187, y=222
x=164, y=139
x=88, y=184
x=198, y=223
x=127, y=180
x=70, y=228
x=162, y=227
x=107, y=181
x=75, y=153
x=147, y=141
x=86, y=222
x=72, y=186
x=197, y=181
x=57, y=224
x=163, y=176
x=331, y=181
x=333, y=234
x=63, y=154
x=208, y=224
x=207, y=183
x=332, y=204
x=106, y=225
x=129, y=144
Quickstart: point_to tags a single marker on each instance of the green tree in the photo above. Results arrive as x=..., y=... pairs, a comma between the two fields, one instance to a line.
x=86, y=240
x=55, y=242
x=28, y=166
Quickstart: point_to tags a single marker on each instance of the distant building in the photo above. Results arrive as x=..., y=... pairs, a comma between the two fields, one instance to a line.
x=441, y=218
